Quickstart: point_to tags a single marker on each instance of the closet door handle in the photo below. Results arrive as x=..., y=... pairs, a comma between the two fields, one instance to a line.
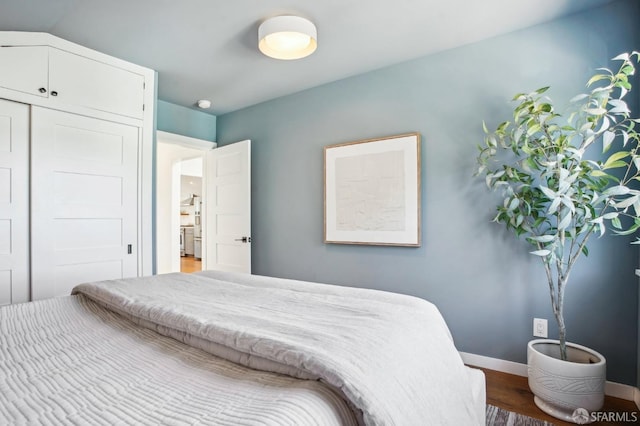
x=244, y=239
x=42, y=90
x=54, y=93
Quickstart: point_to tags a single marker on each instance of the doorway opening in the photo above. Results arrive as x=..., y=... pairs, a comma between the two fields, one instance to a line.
x=191, y=196
x=180, y=195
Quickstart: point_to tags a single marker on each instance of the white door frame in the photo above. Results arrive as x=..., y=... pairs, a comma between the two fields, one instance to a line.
x=168, y=201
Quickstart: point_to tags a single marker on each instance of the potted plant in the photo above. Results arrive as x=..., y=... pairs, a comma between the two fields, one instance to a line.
x=557, y=196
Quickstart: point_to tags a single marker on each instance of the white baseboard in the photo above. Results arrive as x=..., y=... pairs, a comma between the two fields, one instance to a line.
x=616, y=390
x=494, y=364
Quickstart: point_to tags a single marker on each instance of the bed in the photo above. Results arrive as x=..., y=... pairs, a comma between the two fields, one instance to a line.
x=224, y=348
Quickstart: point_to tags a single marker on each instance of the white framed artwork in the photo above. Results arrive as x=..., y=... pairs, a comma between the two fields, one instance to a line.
x=372, y=192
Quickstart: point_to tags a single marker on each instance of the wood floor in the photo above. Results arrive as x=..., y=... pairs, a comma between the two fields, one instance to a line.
x=512, y=393
x=190, y=264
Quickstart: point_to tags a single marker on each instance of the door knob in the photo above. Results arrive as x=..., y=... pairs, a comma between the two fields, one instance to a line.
x=244, y=239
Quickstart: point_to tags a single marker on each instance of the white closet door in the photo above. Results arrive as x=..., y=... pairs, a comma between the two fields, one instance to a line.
x=83, y=201
x=25, y=69
x=14, y=202
x=78, y=80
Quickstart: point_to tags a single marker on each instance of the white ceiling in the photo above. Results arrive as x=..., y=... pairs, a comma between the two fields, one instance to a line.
x=207, y=49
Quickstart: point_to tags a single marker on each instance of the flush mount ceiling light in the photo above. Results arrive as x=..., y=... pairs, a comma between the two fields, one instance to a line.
x=287, y=37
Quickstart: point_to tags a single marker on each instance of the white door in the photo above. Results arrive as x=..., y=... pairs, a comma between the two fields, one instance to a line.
x=227, y=209
x=84, y=186
x=14, y=202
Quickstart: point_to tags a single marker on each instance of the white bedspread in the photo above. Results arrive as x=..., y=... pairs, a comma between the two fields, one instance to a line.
x=70, y=361
x=390, y=355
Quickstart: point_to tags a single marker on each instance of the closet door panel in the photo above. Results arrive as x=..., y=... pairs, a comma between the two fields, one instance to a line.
x=14, y=202
x=78, y=80
x=25, y=69
x=84, y=201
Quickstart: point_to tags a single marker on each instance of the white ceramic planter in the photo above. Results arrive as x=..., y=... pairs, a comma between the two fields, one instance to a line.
x=563, y=387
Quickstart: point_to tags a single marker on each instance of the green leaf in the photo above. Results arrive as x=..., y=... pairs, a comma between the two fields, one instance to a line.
x=579, y=98
x=617, y=156
x=566, y=221
x=502, y=127
x=598, y=173
x=553, y=207
x=545, y=107
x=543, y=238
x=625, y=84
x=627, y=70
x=541, y=253
x=596, y=111
x=619, y=107
x=614, y=165
x=616, y=190
x=616, y=223
x=626, y=202
x=550, y=194
x=632, y=230
x=607, y=139
x=569, y=204
x=606, y=123
x=597, y=77
x=621, y=57
x=533, y=128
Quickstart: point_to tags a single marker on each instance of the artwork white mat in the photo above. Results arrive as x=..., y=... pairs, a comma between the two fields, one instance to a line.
x=372, y=191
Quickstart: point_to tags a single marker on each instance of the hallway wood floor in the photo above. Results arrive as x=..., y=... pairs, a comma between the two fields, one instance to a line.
x=190, y=264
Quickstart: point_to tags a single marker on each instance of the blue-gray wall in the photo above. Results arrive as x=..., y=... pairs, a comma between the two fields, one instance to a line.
x=485, y=283
x=185, y=121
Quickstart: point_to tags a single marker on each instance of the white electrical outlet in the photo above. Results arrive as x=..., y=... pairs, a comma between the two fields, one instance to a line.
x=540, y=327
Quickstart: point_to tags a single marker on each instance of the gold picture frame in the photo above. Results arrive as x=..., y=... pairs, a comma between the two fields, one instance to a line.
x=372, y=192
